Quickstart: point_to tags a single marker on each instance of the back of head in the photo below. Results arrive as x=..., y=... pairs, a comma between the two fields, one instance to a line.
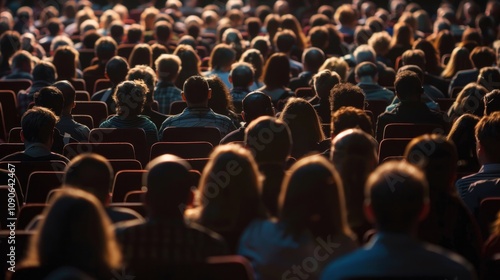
x=462, y=135
x=489, y=77
x=437, y=158
x=312, y=199
x=117, y=69
x=285, y=40
x=130, y=97
x=277, y=71
x=68, y=92
x=44, y=71
x=105, y=48
x=38, y=125
x=366, y=69
x=492, y=102
x=147, y=75
x=257, y=104
x=21, y=60
x=222, y=57
x=91, y=173
x=482, y=57
x=350, y=117
x=168, y=67
x=396, y=185
x=51, y=98
x=313, y=58
x=242, y=74
x=414, y=57
x=488, y=137
x=364, y=53
x=162, y=31
x=141, y=54
x=269, y=139
x=323, y=83
x=346, y=94
x=354, y=145
x=408, y=86
x=196, y=90
x=169, y=183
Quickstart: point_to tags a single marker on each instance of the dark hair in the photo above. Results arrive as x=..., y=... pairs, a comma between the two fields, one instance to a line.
x=38, y=124
x=482, y=57
x=256, y=104
x=255, y=58
x=54, y=26
x=222, y=56
x=117, y=69
x=284, y=40
x=68, y=92
x=444, y=42
x=350, y=117
x=130, y=97
x=196, y=89
x=190, y=64
x=313, y=58
x=319, y=37
x=64, y=60
x=51, y=98
x=134, y=34
x=267, y=149
x=44, y=71
x=462, y=134
x=408, y=85
x=253, y=26
x=162, y=30
x=366, y=68
x=141, y=55
x=10, y=42
x=492, y=102
x=277, y=71
x=346, y=94
x=488, y=136
x=489, y=77
x=221, y=100
x=241, y=74
x=105, y=48
x=414, y=57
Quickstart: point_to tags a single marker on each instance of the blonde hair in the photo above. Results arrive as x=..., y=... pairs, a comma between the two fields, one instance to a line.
x=337, y=65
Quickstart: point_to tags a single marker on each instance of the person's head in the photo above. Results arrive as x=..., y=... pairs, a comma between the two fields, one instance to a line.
x=255, y=58
x=37, y=126
x=168, y=67
x=75, y=232
x=482, y=57
x=313, y=58
x=414, y=57
x=256, y=104
x=51, y=98
x=21, y=61
x=141, y=55
x=470, y=100
x=263, y=45
x=337, y=65
x=68, y=92
x=492, y=102
x=162, y=31
x=396, y=185
x=323, y=82
x=444, y=42
x=147, y=75
x=168, y=183
x=105, y=48
x=285, y=40
x=290, y=22
x=91, y=173
x=403, y=34
x=349, y=117
x=362, y=34
x=459, y=60
x=364, y=53
x=487, y=139
x=318, y=37
x=346, y=94
x=130, y=97
x=116, y=70
x=312, y=200
x=489, y=77
x=408, y=86
x=366, y=72
x=44, y=71
x=269, y=139
x=253, y=26
x=10, y=42
x=190, y=64
x=277, y=71
x=229, y=190
x=431, y=56
x=439, y=163
x=380, y=42
x=59, y=41
x=196, y=91
x=222, y=57
x=64, y=60
x=376, y=25
x=304, y=125
x=220, y=100
x=134, y=34
x=241, y=75
x=462, y=135
x=346, y=16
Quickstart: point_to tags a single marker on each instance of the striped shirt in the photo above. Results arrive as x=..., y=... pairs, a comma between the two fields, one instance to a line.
x=487, y=172
x=196, y=117
x=166, y=93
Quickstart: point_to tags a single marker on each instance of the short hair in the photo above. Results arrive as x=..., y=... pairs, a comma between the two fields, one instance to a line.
x=134, y=33
x=407, y=85
x=38, y=124
x=324, y=81
x=117, y=69
x=366, y=69
x=285, y=40
x=492, y=102
x=313, y=58
x=105, y=48
x=380, y=42
x=362, y=34
x=168, y=66
x=91, y=173
x=147, y=75
x=257, y=104
x=350, y=117
x=414, y=57
x=482, y=57
x=68, y=92
x=364, y=53
x=346, y=94
x=130, y=97
x=345, y=15
x=269, y=139
x=222, y=56
x=241, y=74
x=396, y=185
x=54, y=26
x=10, y=42
x=20, y=59
x=196, y=90
x=44, y=71
x=488, y=136
x=319, y=37
x=162, y=30
x=51, y=98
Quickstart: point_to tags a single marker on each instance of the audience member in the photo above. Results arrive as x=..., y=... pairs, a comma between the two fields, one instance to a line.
x=44, y=74
x=221, y=101
x=312, y=59
x=221, y=59
x=168, y=68
x=66, y=123
x=276, y=77
x=462, y=134
x=242, y=78
x=492, y=102
x=105, y=49
x=480, y=57
x=116, y=71
x=323, y=82
x=346, y=94
x=366, y=74
x=21, y=64
x=350, y=117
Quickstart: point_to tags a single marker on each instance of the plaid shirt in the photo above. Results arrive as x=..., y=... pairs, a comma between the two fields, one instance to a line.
x=196, y=117
x=166, y=93
x=239, y=93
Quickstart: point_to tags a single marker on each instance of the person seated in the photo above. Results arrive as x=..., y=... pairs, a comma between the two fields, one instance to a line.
x=386, y=75
x=349, y=117
x=311, y=222
x=130, y=97
x=284, y=41
x=323, y=83
x=366, y=74
x=44, y=74
x=241, y=77
x=165, y=238
x=271, y=155
x=105, y=49
x=276, y=76
x=462, y=134
x=66, y=123
x=312, y=59
x=480, y=57
x=37, y=133
x=411, y=109
x=394, y=252
x=116, y=71
x=255, y=105
x=346, y=94
x=167, y=69
x=21, y=64
x=417, y=58
x=75, y=233
x=492, y=102
x=196, y=93
x=221, y=59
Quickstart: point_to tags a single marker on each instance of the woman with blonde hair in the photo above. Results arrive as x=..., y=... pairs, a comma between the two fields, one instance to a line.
x=311, y=212
x=337, y=65
x=76, y=232
x=402, y=40
x=229, y=193
x=459, y=60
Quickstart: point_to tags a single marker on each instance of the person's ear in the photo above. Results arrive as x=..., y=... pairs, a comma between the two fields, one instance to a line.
x=74, y=104
x=243, y=115
x=21, y=133
x=108, y=199
x=425, y=210
x=209, y=94
x=230, y=78
x=190, y=198
x=368, y=209
x=183, y=96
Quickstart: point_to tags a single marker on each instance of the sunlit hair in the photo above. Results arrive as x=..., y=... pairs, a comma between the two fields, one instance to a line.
x=130, y=97
x=403, y=35
x=312, y=199
x=459, y=60
x=75, y=232
x=255, y=58
x=289, y=22
x=141, y=54
x=469, y=100
x=221, y=100
x=337, y=65
x=229, y=190
x=222, y=56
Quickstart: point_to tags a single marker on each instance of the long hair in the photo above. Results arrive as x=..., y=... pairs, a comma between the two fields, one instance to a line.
x=403, y=35
x=312, y=199
x=190, y=64
x=141, y=54
x=459, y=60
x=277, y=71
x=289, y=22
x=65, y=60
x=432, y=61
x=254, y=57
x=75, y=232
x=221, y=100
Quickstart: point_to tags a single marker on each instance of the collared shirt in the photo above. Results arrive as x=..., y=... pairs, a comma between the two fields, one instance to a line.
x=239, y=93
x=487, y=172
x=196, y=117
x=139, y=122
x=166, y=93
x=375, y=92
x=35, y=152
x=76, y=130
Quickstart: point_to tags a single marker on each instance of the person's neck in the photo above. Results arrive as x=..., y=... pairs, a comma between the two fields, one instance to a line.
x=36, y=149
x=197, y=105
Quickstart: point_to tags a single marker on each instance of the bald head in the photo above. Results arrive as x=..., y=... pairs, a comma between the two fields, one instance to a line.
x=257, y=104
x=313, y=58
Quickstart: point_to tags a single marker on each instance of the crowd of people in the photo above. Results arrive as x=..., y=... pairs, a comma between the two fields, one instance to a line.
x=296, y=185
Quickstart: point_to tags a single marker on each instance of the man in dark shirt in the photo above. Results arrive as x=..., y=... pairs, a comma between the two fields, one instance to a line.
x=116, y=71
x=66, y=123
x=44, y=74
x=312, y=59
x=165, y=239
x=241, y=77
x=105, y=49
x=411, y=109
